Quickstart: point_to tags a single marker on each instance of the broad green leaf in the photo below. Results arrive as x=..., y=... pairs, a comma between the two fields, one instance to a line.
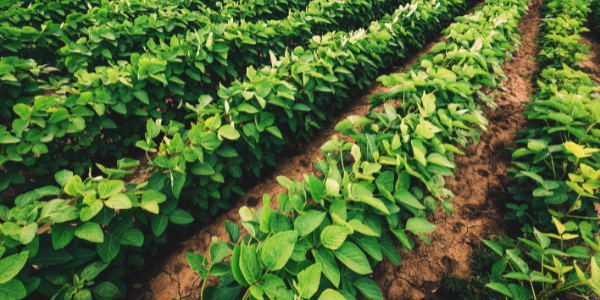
x=198, y=264
x=307, y=223
x=91, y=232
x=418, y=225
x=369, y=244
x=362, y=228
x=229, y=132
x=330, y=294
x=333, y=236
x=181, y=217
x=159, y=224
x=376, y=203
x=236, y=266
x=119, y=201
x=519, y=292
x=218, y=252
x=308, y=281
x=233, y=230
x=368, y=288
x=498, y=287
x=107, y=290
x=275, y=288
x=497, y=248
x=108, y=249
x=132, y=237
x=110, y=188
x=278, y=249
x=12, y=290
x=91, y=271
x=329, y=266
x=74, y=186
x=405, y=197
x=12, y=265
x=249, y=264
x=351, y=256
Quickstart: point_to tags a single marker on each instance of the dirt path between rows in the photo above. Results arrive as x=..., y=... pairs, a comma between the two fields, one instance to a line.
x=480, y=187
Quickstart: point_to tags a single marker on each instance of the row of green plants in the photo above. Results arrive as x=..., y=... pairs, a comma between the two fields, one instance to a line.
x=50, y=246
x=556, y=177
x=84, y=71
x=329, y=233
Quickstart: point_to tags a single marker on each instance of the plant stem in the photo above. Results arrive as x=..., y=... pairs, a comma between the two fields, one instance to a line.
x=202, y=290
x=532, y=290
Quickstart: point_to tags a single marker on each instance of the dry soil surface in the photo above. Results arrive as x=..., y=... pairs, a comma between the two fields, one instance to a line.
x=480, y=186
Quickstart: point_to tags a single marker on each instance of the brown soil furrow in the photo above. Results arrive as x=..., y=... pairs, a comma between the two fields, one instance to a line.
x=480, y=185
x=480, y=182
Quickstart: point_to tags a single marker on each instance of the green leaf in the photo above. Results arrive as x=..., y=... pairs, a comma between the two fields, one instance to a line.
x=308, y=281
x=28, y=233
x=74, y=186
x=438, y=159
x=560, y=117
x=439, y=47
x=405, y=197
x=278, y=249
x=249, y=264
x=62, y=177
x=275, y=131
x=110, y=188
x=333, y=236
x=351, y=256
x=275, y=288
x=118, y=201
x=307, y=223
x=519, y=292
x=362, y=228
x=108, y=249
x=229, y=132
x=330, y=294
x=218, y=252
x=106, y=291
x=498, y=267
x=198, y=264
x=50, y=258
x=498, y=287
x=236, y=266
x=90, y=272
x=12, y=290
x=142, y=96
x=389, y=250
x=369, y=244
x=12, y=265
x=497, y=248
x=181, y=217
x=418, y=225
x=329, y=267
x=91, y=232
x=368, y=288
x=59, y=115
x=376, y=203
x=233, y=230
x=132, y=237
x=159, y=224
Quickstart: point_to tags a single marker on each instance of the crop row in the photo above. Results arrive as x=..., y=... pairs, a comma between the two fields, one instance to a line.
x=556, y=172
x=199, y=57
x=385, y=183
x=96, y=216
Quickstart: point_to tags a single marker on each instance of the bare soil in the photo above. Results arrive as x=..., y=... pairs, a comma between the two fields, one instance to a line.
x=480, y=185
